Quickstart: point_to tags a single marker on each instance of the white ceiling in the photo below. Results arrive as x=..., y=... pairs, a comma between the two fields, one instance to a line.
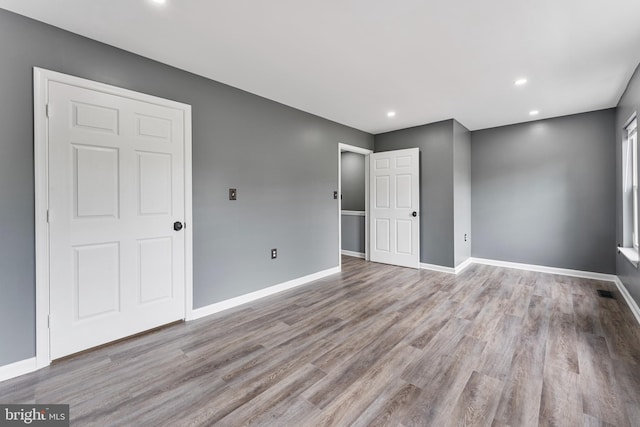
x=351, y=61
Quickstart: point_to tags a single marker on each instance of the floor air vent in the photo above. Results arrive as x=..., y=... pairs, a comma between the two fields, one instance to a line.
x=605, y=294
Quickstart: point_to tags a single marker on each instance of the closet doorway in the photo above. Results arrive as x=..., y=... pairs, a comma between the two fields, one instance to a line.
x=353, y=203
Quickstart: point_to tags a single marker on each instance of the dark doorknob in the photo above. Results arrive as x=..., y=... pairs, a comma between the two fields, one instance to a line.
x=177, y=226
x=414, y=214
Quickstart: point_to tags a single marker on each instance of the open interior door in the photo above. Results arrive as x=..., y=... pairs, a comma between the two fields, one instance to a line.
x=117, y=202
x=394, y=212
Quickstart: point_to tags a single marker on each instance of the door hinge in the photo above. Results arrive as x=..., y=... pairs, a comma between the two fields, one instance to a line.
x=47, y=216
x=49, y=321
x=47, y=110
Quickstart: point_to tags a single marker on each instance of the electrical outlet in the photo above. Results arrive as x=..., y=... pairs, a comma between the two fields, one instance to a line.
x=274, y=253
x=465, y=237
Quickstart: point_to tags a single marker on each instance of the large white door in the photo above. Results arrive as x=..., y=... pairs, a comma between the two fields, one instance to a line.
x=116, y=188
x=395, y=200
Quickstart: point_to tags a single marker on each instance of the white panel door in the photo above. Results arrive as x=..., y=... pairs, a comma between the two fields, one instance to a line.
x=116, y=188
x=395, y=199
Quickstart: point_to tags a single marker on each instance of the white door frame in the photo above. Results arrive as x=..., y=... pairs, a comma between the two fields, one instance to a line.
x=41, y=79
x=364, y=151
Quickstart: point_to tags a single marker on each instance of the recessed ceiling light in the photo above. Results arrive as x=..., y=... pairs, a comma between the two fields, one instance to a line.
x=534, y=112
x=391, y=114
x=520, y=82
x=159, y=1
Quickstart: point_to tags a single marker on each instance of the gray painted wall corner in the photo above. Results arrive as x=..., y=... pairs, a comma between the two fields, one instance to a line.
x=628, y=105
x=461, y=192
x=542, y=194
x=435, y=142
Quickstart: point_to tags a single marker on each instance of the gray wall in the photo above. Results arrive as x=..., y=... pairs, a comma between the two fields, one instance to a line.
x=629, y=104
x=281, y=160
x=353, y=188
x=542, y=192
x=353, y=181
x=461, y=192
x=353, y=233
x=435, y=142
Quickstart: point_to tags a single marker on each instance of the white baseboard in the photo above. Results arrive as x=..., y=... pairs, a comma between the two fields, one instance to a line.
x=353, y=254
x=243, y=299
x=443, y=269
x=544, y=269
x=30, y=365
x=627, y=297
x=18, y=368
x=464, y=265
x=438, y=268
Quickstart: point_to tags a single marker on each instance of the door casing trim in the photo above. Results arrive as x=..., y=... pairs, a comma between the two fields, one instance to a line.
x=41, y=79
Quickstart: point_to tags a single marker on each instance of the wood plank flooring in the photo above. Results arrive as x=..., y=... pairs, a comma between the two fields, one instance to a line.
x=374, y=345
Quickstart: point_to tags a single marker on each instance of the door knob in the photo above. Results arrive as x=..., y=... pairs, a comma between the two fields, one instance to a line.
x=177, y=226
x=414, y=214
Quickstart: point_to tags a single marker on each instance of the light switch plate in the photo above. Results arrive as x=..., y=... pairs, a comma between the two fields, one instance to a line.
x=232, y=194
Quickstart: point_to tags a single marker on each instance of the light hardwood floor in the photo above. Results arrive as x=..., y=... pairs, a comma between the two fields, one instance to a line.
x=374, y=345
